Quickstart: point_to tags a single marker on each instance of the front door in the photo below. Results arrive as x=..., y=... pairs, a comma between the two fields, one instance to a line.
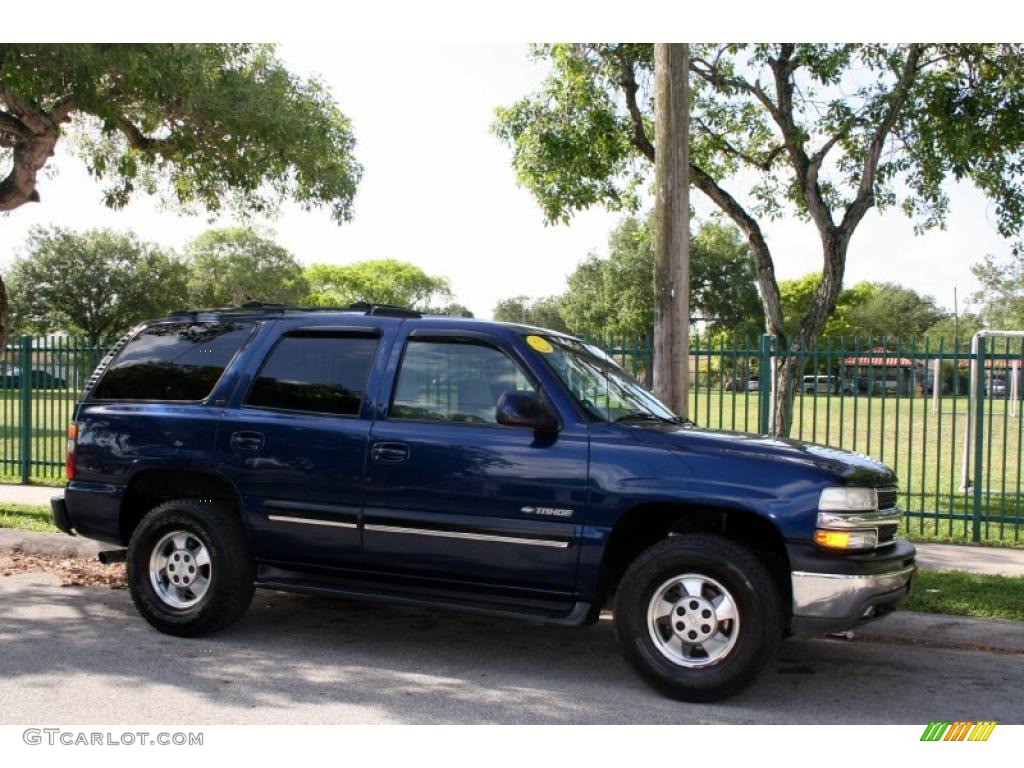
x=454, y=495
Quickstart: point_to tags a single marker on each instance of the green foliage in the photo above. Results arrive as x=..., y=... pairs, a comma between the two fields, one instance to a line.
x=454, y=309
x=952, y=330
x=207, y=125
x=542, y=313
x=614, y=296
x=380, y=281
x=98, y=282
x=228, y=267
x=865, y=311
x=569, y=140
x=1001, y=298
x=575, y=145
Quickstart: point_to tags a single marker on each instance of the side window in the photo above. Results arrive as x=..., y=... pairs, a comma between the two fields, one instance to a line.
x=172, y=361
x=323, y=374
x=454, y=381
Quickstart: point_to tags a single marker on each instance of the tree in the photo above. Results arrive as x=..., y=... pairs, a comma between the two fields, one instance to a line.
x=1001, y=298
x=614, y=296
x=99, y=283
x=229, y=267
x=453, y=309
x=825, y=132
x=543, y=313
x=207, y=126
x=380, y=281
x=890, y=310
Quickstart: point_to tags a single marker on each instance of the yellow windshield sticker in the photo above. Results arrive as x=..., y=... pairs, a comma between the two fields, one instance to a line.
x=541, y=345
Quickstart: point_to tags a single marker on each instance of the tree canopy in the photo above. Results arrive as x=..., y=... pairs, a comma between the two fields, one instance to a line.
x=1001, y=298
x=865, y=311
x=378, y=281
x=614, y=296
x=214, y=127
x=98, y=283
x=825, y=132
x=544, y=312
x=229, y=267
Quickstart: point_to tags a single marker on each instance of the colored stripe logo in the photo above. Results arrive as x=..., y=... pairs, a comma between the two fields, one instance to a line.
x=961, y=730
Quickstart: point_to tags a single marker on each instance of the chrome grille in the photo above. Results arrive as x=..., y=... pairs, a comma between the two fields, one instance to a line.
x=887, y=497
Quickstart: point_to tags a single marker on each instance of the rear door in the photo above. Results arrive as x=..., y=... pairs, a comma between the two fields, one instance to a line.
x=295, y=445
x=454, y=495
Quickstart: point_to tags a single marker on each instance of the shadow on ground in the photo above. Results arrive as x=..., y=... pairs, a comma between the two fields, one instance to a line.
x=83, y=655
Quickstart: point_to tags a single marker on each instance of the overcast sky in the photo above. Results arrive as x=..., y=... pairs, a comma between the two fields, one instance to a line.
x=438, y=190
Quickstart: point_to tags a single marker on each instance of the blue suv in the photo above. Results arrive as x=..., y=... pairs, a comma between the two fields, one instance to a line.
x=371, y=452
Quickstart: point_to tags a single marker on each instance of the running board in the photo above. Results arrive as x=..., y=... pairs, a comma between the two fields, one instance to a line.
x=562, y=613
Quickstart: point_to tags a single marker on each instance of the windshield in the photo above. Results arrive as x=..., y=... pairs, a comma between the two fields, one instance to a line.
x=603, y=388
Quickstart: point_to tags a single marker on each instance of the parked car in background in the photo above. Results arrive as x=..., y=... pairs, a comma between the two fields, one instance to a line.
x=749, y=384
x=11, y=379
x=997, y=387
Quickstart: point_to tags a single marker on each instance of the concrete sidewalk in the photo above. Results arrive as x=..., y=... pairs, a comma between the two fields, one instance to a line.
x=34, y=495
x=932, y=557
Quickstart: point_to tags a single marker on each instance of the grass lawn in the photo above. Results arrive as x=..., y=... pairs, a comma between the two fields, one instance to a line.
x=967, y=594
x=26, y=518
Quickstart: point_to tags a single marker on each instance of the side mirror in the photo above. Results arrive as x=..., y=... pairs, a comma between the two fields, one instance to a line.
x=525, y=409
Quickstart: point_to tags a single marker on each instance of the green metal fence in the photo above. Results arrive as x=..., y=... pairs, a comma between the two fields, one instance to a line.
x=905, y=402
x=40, y=380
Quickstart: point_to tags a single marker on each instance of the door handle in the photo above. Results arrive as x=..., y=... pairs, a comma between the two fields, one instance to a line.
x=391, y=452
x=247, y=441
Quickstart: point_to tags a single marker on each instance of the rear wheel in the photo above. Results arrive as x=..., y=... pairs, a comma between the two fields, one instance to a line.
x=190, y=570
x=698, y=616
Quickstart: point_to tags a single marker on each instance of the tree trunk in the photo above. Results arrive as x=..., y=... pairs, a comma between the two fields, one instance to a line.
x=788, y=370
x=672, y=239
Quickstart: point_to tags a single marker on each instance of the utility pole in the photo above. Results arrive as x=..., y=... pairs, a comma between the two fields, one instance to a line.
x=672, y=214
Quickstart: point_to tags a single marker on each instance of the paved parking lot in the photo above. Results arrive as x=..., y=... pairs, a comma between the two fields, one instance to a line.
x=82, y=655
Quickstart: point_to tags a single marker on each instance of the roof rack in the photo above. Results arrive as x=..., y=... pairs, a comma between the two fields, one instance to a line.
x=384, y=310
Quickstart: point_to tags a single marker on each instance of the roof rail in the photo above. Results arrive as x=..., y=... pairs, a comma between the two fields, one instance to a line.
x=385, y=310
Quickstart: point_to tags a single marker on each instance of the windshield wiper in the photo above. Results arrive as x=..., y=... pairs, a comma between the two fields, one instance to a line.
x=647, y=416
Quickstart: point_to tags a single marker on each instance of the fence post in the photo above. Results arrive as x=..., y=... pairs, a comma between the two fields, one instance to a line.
x=25, y=381
x=979, y=438
x=764, y=397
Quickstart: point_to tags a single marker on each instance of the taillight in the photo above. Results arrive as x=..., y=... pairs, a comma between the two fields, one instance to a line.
x=69, y=463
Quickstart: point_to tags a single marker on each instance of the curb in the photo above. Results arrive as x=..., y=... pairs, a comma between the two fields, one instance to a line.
x=43, y=543
x=938, y=630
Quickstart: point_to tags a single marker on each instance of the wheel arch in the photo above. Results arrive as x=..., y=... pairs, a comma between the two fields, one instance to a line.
x=151, y=487
x=646, y=524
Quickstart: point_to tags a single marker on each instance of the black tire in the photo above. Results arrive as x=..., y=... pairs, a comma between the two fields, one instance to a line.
x=758, y=628
x=231, y=570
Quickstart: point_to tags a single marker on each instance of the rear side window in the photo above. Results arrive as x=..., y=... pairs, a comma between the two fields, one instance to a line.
x=322, y=374
x=172, y=361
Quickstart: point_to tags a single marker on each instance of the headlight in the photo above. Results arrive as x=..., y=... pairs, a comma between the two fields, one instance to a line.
x=848, y=500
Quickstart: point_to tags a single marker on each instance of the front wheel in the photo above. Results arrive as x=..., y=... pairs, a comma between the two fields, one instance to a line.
x=698, y=616
x=190, y=571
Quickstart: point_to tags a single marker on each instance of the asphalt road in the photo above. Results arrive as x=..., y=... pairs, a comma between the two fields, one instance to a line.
x=82, y=655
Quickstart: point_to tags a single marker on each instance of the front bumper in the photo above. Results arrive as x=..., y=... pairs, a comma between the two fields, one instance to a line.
x=836, y=594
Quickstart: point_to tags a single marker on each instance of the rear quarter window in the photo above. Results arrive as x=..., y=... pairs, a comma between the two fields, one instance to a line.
x=172, y=361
